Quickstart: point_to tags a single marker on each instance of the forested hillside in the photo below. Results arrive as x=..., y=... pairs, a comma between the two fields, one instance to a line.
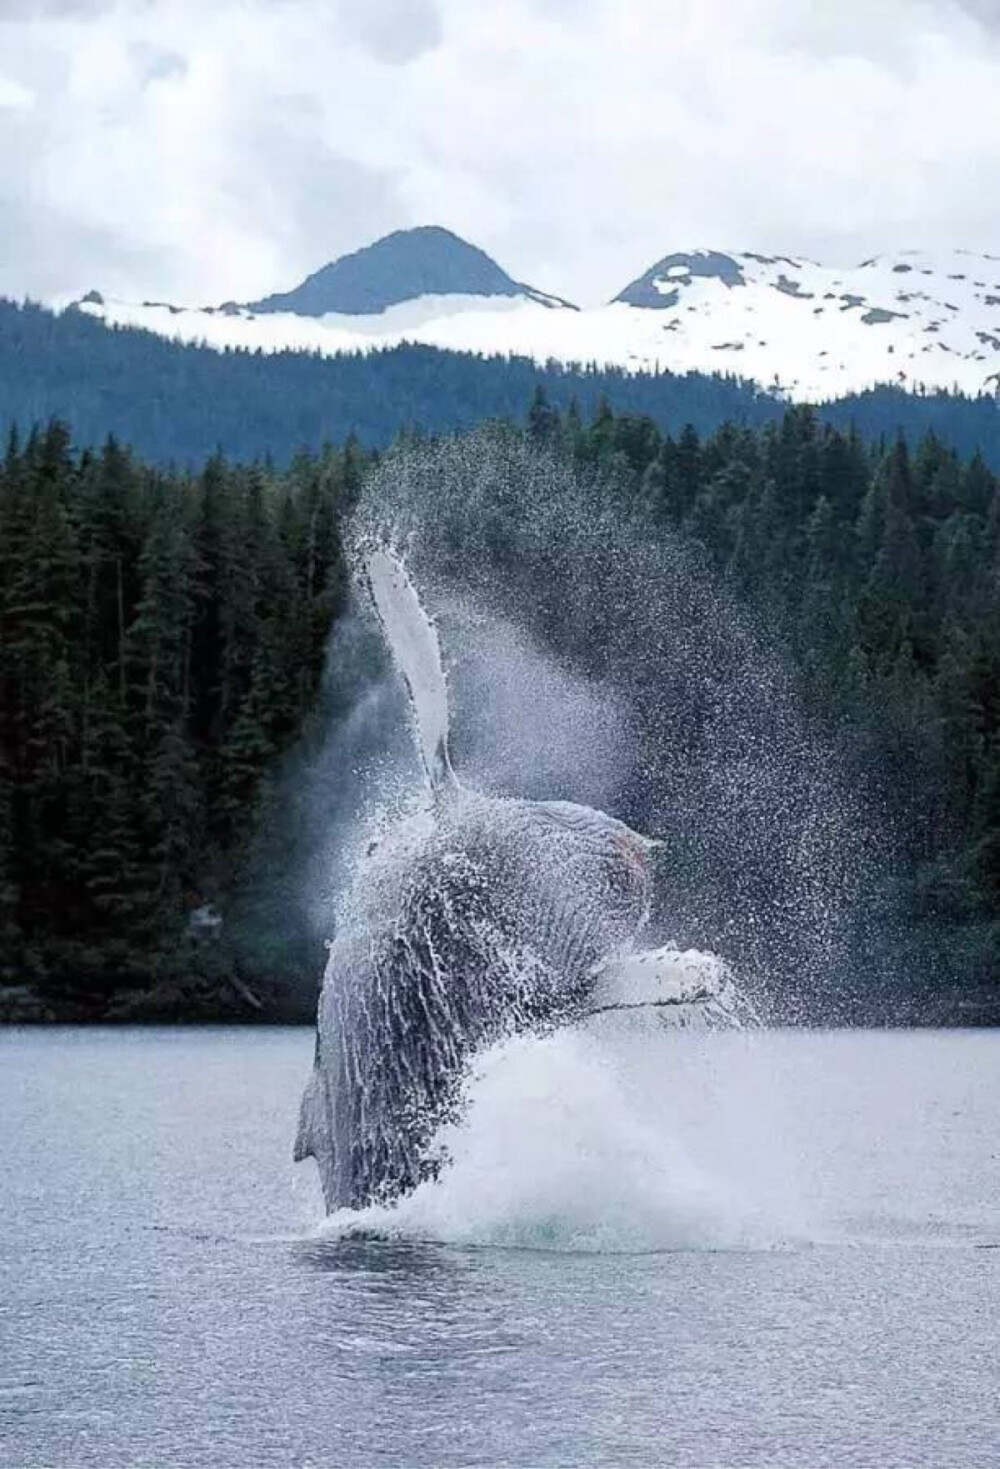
x=877, y=571
x=181, y=404
x=162, y=639
x=161, y=643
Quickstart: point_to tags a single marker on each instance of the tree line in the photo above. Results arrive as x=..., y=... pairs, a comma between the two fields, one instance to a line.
x=162, y=642
x=180, y=403
x=875, y=569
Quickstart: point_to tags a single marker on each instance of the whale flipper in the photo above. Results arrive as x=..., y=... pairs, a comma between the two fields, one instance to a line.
x=686, y=989
x=314, y=1137
x=310, y=1118
x=413, y=642
x=499, y=916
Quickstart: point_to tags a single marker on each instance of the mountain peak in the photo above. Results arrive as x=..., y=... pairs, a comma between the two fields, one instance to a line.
x=658, y=287
x=813, y=331
x=425, y=261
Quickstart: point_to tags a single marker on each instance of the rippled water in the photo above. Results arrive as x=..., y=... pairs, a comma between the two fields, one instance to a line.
x=717, y=1250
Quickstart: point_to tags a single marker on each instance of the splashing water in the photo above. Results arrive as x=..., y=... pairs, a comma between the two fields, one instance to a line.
x=431, y=1112
x=486, y=920
x=563, y=609
x=601, y=1140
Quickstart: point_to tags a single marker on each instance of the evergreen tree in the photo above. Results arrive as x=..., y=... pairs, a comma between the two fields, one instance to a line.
x=163, y=636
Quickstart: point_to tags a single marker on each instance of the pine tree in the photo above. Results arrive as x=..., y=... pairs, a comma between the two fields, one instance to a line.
x=543, y=420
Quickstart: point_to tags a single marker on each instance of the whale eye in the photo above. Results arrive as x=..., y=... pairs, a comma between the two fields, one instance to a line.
x=633, y=850
x=627, y=873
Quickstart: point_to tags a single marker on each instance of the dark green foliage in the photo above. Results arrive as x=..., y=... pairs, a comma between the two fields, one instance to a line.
x=180, y=404
x=877, y=571
x=162, y=639
x=161, y=643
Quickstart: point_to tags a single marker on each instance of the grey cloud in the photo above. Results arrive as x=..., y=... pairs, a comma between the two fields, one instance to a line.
x=245, y=143
x=322, y=204
x=276, y=178
x=563, y=9
x=46, y=249
x=396, y=31
x=986, y=12
x=48, y=253
x=156, y=65
x=51, y=9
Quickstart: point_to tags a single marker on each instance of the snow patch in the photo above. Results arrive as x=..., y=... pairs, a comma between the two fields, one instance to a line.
x=773, y=323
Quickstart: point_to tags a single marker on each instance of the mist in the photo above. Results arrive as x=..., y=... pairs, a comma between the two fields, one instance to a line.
x=591, y=659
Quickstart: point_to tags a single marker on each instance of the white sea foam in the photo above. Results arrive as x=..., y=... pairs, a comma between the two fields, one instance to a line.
x=601, y=1139
x=618, y=1135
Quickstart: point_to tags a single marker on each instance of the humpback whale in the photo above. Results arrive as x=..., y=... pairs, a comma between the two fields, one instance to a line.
x=479, y=917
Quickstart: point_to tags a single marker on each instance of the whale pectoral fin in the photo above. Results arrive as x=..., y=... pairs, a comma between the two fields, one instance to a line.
x=311, y=1119
x=413, y=642
x=314, y=1137
x=684, y=988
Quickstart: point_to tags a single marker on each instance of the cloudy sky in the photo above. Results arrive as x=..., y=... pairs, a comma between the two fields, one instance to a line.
x=204, y=149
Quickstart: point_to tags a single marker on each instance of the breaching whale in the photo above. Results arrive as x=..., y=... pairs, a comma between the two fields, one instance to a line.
x=479, y=918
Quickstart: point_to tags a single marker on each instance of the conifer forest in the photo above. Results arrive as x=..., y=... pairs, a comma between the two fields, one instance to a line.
x=163, y=635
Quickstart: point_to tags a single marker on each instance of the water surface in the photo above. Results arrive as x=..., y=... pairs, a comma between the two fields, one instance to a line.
x=719, y=1250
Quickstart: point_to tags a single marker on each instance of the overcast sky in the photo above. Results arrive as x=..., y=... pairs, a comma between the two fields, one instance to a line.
x=205, y=149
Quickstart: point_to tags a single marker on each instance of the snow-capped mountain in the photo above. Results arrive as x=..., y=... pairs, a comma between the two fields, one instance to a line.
x=810, y=331
x=910, y=319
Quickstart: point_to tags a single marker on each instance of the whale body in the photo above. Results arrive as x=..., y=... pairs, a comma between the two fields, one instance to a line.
x=475, y=919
